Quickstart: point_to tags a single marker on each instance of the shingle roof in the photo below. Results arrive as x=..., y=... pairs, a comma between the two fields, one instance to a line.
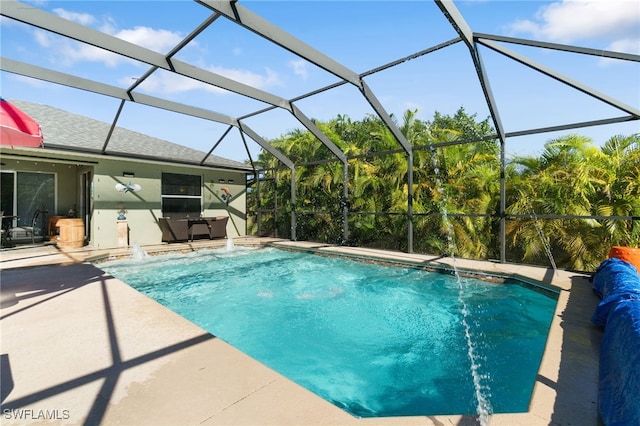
x=64, y=130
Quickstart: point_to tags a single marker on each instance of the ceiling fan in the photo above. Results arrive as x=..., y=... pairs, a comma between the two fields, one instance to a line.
x=128, y=187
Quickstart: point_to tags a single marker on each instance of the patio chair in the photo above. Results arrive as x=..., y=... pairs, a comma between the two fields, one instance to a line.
x=3, y=231
x=28, y=230
x=7, y=222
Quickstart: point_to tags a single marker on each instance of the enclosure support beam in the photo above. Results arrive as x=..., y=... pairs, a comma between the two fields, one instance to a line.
x=39, y=73
x=410, y=202
x=113, y=126
x=267, y=146
x=404, y=143
x=345, y=203
x=215, y=145
x=306, y=122
x=258, y=199
x=255, y=23
x=464, y=31
x=561, y=47
x=294, y=223
x=50, y=22
x=503, y=202
x=275, y=204
x=562, y=78
x=286, y=161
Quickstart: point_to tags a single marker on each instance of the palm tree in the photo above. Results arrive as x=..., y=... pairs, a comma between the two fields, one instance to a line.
x=562, y=181
x=619, y=194
x=460, y=178
x=571, y=177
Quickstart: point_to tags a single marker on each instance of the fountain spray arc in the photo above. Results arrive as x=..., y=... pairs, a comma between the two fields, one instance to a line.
x=483, y=405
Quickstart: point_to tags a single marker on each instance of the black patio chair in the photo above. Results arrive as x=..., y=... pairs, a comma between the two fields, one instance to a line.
x=4, y=232
x=29, y=230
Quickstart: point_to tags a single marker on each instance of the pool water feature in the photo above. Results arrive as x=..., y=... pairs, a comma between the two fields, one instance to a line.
x=374, y=340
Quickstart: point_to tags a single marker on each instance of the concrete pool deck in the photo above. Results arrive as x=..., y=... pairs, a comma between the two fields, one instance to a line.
x=80, y=347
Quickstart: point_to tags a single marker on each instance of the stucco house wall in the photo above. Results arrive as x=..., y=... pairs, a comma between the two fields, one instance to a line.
x=74, y=148
x=143, y=208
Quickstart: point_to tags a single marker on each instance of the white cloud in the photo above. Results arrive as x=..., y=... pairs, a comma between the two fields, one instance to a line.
x=170, y=83
x=70, y=52
x=43, y=38
x=33, y=82
x=300, y=67
x=67, y=52
x=157, y=40
x=74, y=52
x=630, y=45
x=80, y=18
x=259, y=81
x=568, y=21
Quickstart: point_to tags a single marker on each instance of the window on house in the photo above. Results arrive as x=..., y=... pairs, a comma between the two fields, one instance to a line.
x=181, y=195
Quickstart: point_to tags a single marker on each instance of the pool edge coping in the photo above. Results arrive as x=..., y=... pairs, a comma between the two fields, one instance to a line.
x=544, y=396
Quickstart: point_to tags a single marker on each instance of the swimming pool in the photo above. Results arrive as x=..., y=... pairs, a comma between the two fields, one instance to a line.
x=374, y=340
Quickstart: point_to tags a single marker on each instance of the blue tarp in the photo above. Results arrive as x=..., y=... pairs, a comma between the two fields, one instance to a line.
x=618, y=284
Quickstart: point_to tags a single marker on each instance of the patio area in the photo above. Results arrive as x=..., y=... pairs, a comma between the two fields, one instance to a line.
x=81, y=347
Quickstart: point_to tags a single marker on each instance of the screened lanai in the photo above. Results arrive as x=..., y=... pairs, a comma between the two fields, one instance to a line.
x=377, y=70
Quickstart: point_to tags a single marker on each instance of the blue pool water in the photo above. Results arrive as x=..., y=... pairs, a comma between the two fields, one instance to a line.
x=374, y=340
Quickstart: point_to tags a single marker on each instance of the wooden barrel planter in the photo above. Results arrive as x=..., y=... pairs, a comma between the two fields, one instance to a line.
x=53, y=227
x=71, y=233
x=628, y=254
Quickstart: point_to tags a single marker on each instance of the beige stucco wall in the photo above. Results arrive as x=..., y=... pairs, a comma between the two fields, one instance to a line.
x=143, y=208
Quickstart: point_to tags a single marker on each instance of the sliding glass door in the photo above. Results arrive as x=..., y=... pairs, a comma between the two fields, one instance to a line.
x=24, y=193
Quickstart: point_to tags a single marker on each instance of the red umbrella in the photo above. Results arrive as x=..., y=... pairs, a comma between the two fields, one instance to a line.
x=18, y=129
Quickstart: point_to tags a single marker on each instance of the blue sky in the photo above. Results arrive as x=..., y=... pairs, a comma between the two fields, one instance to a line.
x=361, y=35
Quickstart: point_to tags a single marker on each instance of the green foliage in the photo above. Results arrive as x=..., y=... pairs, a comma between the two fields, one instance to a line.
x=456, y=191
x=574, y=177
